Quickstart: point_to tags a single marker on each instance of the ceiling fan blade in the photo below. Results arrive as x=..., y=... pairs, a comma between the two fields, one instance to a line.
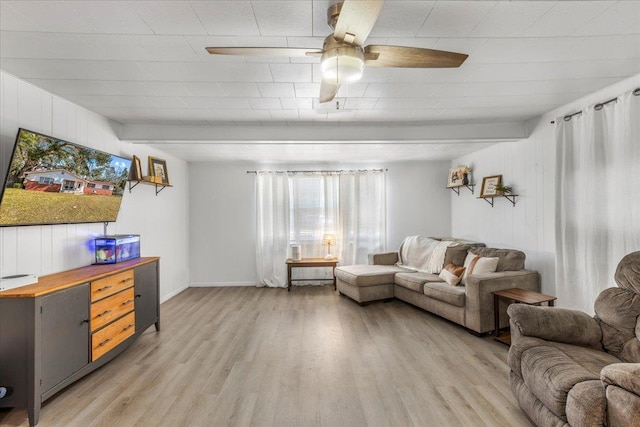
x=356, y=20
x=328, y=91
x=264, y=51
x=411, y=57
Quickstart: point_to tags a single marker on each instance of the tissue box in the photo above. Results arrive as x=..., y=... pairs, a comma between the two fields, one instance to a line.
x=117, y=248
x=17, y=280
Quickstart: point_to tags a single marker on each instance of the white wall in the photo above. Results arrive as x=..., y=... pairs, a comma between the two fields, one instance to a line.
x=222, y=224
x=161, y=221
x=417, y=201
x=222, y=213
x=528, y=165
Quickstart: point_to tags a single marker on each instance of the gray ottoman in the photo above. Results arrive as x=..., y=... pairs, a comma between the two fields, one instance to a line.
x=366, y=283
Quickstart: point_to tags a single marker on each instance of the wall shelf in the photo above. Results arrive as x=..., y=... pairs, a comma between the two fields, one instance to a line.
x=456, y=189
x=159, y=186
x=510, y=197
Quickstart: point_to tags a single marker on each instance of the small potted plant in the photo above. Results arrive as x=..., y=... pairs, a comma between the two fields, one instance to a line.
x=501, y=190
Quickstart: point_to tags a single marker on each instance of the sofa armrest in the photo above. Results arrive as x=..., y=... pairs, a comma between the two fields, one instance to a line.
x=622, y=390
x=534, y=326
x=623, y=375
x=383, y=258
x=556, y=324
x=479, y=297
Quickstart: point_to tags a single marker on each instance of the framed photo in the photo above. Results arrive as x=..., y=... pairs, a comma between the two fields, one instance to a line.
x=458, y=176
x=136, y=169
x=489, y=185
x=455, y=177
x=158, y=168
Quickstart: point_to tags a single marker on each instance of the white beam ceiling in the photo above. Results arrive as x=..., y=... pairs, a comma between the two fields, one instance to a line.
x=144, y=62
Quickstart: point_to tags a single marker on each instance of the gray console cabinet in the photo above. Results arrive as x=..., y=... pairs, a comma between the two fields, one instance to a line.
x=64, y=336
x=45, y=329
x=147, y=297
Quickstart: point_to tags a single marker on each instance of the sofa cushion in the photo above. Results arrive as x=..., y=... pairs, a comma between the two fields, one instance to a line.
x=510, y=259
x=368, y=275
x=456, y=254
x=452, y=274
x=414, y=281
x=586, y=404
x=475, y=264
x=551, y=371
x=618, y=311
x=453, y=295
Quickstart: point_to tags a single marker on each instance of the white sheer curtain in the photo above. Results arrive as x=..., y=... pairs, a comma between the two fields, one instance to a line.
x=299, y=208
x=272, y=240
x=597, y=198
x=314, y=211
x=362, y=215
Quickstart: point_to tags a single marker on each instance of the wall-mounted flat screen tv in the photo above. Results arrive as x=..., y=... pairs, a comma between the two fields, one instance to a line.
x=52, y=181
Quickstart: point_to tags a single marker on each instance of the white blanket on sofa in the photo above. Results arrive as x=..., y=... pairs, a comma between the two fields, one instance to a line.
x=423, y=254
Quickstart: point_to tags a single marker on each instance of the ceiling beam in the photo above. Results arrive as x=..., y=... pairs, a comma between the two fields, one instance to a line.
x=362, y=132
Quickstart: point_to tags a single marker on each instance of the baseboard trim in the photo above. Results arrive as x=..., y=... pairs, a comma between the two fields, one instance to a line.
x=172, y=294
x=219, y=284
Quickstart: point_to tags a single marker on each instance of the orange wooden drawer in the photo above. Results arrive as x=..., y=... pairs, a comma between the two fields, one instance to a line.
x=110, y=285
x=109, y=337
x=110, y=308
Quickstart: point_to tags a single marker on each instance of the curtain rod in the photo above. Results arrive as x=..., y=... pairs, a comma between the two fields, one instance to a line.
x=326, y=171
x=597, y=107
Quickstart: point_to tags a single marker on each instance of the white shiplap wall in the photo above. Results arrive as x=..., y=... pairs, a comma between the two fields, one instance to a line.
x=528, y=165
x=161, y=221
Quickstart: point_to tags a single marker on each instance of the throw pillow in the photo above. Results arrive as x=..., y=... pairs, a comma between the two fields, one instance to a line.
x=475, y=264
x=452, y=274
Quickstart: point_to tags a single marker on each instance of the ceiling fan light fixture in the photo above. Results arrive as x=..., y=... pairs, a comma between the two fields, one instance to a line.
x=342, y=65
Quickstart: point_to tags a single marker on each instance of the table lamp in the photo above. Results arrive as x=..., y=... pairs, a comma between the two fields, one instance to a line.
x=329, y=239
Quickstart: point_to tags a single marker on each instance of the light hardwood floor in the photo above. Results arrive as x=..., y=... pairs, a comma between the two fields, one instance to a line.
x=268, y=357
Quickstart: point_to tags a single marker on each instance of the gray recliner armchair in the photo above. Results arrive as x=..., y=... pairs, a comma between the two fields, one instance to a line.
x=568, y=368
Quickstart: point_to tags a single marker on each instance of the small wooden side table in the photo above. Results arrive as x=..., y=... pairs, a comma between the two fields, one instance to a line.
x=519, y=296
x=311, y=263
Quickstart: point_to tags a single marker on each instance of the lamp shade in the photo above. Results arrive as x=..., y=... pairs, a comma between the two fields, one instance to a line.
x=342, y=65
x=329, y=239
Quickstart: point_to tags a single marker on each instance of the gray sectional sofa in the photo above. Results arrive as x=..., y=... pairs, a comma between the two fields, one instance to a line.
x=470, y=306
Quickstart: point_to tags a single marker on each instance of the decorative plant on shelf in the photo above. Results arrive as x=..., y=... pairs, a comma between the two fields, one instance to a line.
x=503, y=189
x=466, y=171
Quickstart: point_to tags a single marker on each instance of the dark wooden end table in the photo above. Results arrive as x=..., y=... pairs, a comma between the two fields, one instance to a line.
x=519, y=296
x=310, y=263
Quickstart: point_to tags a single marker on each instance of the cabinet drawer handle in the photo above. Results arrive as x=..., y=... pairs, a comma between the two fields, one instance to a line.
x=127, y=328
x=128, y=279
x=104, y=288
x=127, y=302
x=105, y=342
x=104, y=313
x=138, y=295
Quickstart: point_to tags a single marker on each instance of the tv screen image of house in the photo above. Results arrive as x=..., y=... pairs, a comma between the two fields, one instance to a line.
x=52, y=181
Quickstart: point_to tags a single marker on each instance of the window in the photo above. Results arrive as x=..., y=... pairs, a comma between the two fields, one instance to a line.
x=105, y=187
x=311, y=208
x=348, y=205
x=91, y=185
x=45, y=180
x=299, y=207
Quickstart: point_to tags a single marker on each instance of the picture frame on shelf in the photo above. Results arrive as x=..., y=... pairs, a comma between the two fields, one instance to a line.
x=456, y=177
x=158, y=169
x=489, y=184
x=136, y=169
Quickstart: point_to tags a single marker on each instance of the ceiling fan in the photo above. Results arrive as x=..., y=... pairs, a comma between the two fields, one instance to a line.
x=342, y=56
